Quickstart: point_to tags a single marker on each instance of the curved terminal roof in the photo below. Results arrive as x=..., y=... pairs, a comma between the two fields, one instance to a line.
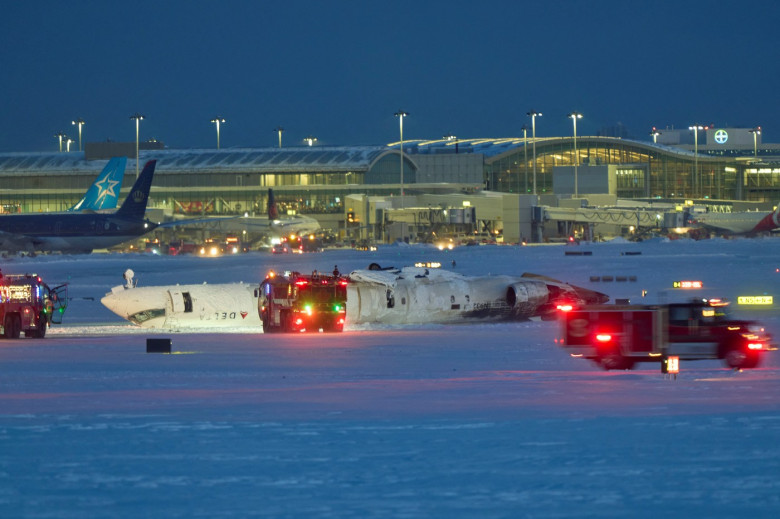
x=303, y=159
x=299, y=159
x=491, y=147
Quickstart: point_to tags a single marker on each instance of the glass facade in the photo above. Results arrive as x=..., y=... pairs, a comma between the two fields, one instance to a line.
x=670, y=173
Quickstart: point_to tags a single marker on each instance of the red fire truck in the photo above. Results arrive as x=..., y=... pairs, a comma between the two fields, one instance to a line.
x=294, y=302
x=618, y=336
x=28, y=305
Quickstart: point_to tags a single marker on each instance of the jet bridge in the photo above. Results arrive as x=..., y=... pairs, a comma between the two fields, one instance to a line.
x=615, y=218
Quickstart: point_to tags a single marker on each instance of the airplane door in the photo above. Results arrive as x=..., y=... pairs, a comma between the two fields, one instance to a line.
x=176, y=301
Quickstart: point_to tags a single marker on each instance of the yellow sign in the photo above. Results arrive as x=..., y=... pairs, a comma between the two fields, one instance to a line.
x=755, y=300
x=687, y=284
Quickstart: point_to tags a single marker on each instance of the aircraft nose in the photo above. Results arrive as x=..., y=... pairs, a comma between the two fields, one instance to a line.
x=115, y=304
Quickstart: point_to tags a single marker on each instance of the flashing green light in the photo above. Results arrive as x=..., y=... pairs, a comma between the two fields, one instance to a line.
x=336, y=308
x=307, y=309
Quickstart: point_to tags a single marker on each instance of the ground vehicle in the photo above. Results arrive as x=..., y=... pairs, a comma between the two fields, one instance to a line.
x=28, y=305
x=617, y=336
x=294, y=302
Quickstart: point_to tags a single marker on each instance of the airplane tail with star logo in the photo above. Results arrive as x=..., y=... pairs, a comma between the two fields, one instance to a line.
x=103, y=194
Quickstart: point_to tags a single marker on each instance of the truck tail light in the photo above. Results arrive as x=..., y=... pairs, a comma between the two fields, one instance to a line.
x=603, y=337
x=755, y=346
x=565, y=307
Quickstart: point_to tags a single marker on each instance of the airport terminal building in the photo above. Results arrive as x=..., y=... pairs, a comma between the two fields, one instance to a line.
x=378, y=193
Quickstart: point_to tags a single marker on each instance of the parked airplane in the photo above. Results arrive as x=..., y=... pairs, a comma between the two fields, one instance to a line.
x=412, y=295
x=270, y=225
x=743, y=222
x=80, y=232
x=103, y=194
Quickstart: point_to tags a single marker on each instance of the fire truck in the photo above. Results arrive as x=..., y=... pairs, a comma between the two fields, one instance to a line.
x=28, y=305
x=618, y=336
x=294, y=302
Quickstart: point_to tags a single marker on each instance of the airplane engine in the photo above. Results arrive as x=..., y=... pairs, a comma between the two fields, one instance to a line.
x=524, y=297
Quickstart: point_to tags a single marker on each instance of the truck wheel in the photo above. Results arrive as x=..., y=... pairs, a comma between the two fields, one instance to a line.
x=40, y=331
x=15, y=325
x=738, y=358
x=615, y=360
x=735, y=358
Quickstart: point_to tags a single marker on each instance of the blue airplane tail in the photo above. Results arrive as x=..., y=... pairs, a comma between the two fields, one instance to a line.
x=134, y=206
x=104, y=191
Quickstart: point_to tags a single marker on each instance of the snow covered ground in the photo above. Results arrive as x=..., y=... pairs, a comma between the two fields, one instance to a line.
x=473, y=420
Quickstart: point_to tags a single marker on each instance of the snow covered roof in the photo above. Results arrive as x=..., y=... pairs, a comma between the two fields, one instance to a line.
x=319, y=159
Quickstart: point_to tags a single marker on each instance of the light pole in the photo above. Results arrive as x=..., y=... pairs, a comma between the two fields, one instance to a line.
x=756, y=132
x=67, y=144
x=401, y=114
x=525, y=161
x=696, y=128
x=655, y=133
x=80, y=123
x=218, y=121
x=279, y=130
x=534, y=114
x=137, y=118
x=310, y=140
x=451, y=137
x=60, y=136
x=574, y=116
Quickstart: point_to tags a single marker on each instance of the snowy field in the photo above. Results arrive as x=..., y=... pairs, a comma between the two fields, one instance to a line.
x=468, y=421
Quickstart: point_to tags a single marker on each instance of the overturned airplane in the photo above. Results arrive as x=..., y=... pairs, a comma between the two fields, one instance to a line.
x=410, y=295
x=415, y=295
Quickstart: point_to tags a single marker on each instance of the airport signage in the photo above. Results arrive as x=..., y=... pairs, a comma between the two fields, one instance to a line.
x=755, y=300
x=721, y=136
x=687, y=284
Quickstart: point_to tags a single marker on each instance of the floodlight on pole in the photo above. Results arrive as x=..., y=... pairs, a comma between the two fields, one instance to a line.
x=450, y=137
x=79, y=122
x=218, y=121
x=279, y=130
x=401, y=114
x=525, y=160
x=655, y=133
x=137, y=118
x=695, y=128
x=756, y=132
x=574, y=116
x=68, y=140
x=533, y=114
x=310, y=140
x=60, y=136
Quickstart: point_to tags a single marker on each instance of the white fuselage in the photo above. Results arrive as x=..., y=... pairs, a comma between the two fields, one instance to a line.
x=412, y=295
x=231, y=305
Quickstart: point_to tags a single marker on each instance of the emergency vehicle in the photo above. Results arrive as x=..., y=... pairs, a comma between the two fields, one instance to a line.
x=618, y=336
x=28, y=305
x=294, y=302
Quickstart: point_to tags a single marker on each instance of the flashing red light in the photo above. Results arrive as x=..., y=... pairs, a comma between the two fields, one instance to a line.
x=571, y=238
x=603, y=337
x=301, y=282
x=341, y=320
x=755, y=346
x=299, y=321
x=565, y=307
x=343, y=282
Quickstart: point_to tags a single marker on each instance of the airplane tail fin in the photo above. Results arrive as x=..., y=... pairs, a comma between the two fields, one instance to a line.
x=104, y=191
x=273, y=212
x=134, y=205
x=769, y=222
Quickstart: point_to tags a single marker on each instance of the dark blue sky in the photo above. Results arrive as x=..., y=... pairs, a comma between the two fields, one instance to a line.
x=339, y=70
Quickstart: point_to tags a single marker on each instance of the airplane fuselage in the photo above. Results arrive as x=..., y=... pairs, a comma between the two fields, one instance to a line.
x=67, y=232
